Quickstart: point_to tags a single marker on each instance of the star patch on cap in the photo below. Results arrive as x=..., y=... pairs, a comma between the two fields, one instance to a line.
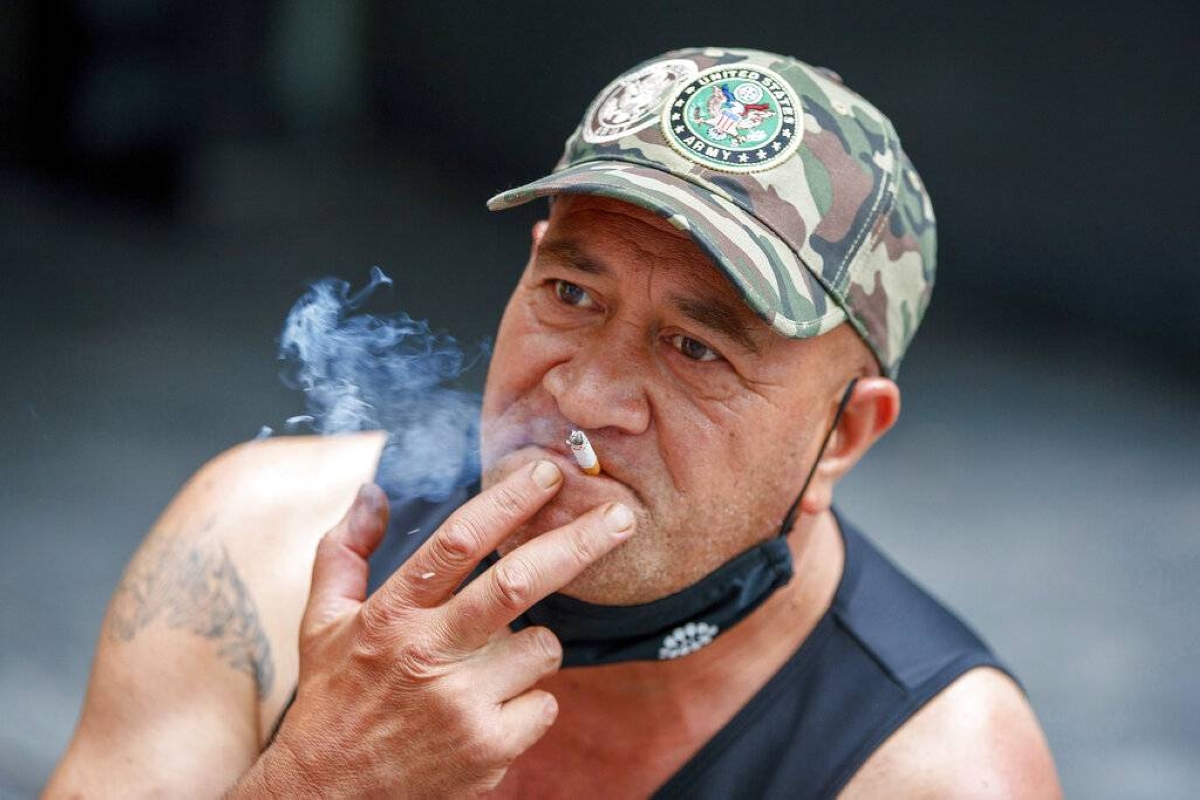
x=734, y=119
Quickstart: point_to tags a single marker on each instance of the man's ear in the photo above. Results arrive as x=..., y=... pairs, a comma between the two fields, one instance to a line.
x=536, y=234
x=872, y=409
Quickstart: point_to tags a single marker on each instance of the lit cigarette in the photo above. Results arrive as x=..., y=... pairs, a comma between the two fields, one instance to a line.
x=585, y=456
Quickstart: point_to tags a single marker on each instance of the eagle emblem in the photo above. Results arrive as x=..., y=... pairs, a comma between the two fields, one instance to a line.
x=733, y=118
x=730, y=116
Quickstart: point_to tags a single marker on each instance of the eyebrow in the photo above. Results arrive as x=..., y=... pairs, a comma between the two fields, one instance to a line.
x=573, y=257
x=720, y=317
x=712, y=314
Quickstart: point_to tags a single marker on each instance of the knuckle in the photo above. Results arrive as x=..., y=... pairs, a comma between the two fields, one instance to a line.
x=545, y=645
x=514, y=584
x=377, y=621
x=579, y=545
x=417, y=658
x=462, y=540
x=508, y=501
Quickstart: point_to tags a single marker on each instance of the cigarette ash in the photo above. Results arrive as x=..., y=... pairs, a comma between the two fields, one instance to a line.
x=361, y=371
x=585, y=456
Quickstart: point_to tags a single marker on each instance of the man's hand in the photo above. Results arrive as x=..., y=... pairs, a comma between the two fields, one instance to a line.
x=421, y=691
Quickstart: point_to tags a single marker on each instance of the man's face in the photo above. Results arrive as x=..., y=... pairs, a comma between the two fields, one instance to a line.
x=704, y=419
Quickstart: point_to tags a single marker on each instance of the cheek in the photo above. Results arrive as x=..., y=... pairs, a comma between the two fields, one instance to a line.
x=520, y=358
x=513, y=399
x=709, y=435
x=737, y=464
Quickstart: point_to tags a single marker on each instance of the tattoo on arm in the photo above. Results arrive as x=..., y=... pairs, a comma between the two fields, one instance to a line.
x=194, y=586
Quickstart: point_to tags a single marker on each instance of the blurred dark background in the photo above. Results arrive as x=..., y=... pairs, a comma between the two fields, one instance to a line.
x=174, y=173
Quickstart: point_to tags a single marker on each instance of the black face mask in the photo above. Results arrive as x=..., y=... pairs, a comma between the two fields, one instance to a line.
x=682, y=622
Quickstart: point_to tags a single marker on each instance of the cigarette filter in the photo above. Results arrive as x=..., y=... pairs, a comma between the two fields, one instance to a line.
x=585, y=456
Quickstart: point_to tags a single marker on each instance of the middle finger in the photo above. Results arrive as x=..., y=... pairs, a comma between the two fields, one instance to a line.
x=540, y=566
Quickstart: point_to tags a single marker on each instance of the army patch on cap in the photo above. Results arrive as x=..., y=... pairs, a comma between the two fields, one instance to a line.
x=630, y=103
x=735, y=119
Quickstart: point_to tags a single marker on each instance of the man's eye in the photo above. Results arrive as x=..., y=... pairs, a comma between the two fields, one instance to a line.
x=571, y=294
x=693, y=349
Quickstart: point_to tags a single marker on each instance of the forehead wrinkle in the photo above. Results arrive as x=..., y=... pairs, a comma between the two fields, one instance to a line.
x=572, y=256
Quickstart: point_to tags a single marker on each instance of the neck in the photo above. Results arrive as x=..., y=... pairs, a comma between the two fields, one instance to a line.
x=729, y=671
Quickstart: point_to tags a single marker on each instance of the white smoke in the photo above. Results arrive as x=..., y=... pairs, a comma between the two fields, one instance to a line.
x=361, y=371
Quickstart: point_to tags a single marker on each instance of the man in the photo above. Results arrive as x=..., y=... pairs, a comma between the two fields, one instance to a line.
x=729, y=276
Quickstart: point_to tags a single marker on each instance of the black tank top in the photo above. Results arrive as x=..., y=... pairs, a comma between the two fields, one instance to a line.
x=881, y=651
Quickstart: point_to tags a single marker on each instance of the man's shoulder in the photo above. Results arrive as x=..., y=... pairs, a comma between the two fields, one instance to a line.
x=257, y=491
x=267, y=503
x=286, y=470
x=976, y=735
x=261, y=506
x=251, y=516
x=977, y=738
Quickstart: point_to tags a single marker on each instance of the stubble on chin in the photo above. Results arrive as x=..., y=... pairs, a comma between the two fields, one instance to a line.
x=669, y=550
x=630, y=574
x=624, y=576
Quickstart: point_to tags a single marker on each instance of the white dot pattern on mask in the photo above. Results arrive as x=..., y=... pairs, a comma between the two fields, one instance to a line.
x=686, y=639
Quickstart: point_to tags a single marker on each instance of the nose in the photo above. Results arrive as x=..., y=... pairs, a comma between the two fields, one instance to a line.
x=602, y=384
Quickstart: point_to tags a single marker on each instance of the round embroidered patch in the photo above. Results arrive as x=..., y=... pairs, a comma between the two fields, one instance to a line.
x=735, y=119
x=628, y=104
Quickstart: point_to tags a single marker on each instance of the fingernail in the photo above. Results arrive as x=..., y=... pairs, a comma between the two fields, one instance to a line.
x=367, y=499
x=363, y=508
x=550, y=709
x=618, y=518
x=546, y=474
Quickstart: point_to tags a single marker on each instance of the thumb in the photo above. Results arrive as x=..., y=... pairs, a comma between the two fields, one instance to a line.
x=340, y=571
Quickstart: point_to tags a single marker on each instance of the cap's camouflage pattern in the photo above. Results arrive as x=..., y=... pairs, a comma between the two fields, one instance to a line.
x=793, y=184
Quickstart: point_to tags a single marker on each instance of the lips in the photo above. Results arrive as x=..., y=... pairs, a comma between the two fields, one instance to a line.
x=560, y=454
x=577, y=481
x=519, y=432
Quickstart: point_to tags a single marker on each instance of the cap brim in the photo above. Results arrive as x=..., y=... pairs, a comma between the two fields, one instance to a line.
x=767, y=273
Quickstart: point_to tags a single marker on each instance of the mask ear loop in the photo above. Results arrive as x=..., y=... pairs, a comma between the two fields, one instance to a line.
x=790, y=518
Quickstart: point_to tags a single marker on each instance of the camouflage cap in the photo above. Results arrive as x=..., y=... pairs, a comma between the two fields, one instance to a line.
x=794, y=185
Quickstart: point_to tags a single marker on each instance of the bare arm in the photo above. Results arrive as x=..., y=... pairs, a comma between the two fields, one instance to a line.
x=187, y=581
x=197, y=651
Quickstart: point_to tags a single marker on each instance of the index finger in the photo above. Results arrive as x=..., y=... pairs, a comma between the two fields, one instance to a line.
x=537, y=568
x=475, y=529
